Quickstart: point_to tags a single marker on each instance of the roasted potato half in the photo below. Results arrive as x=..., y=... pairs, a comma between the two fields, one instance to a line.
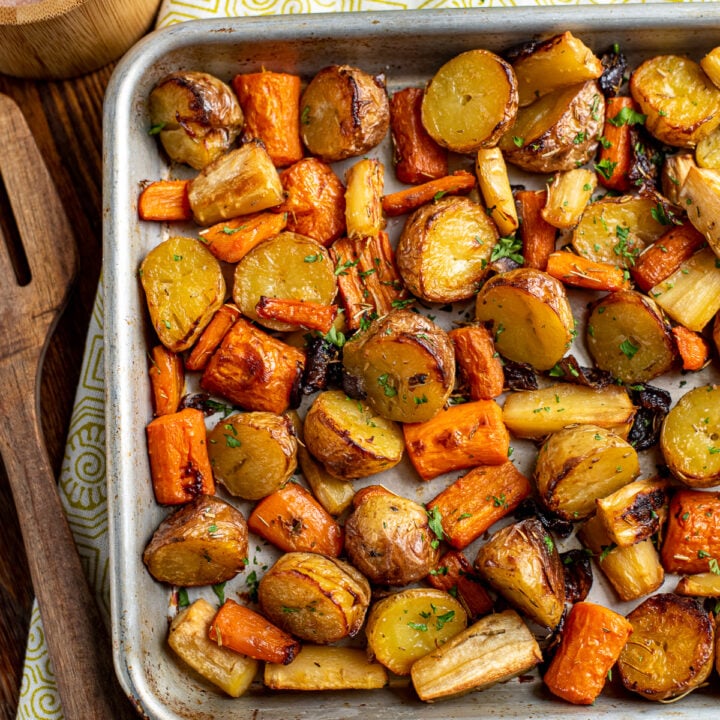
x=681, y=103
x=389, y=539
x=579, y=464
x=252, y=454
x=344, y=112
x=197, y=116
x=557, y=132
x=406, y=625
x=690, y=437
x=628, y=336
x=470, y=101
x=444, y=249
x=349, y=438
x=522, y=563
x=316, y=598
x=286, y=265
x=529, y=314
x=403, y=365
x=184, y=286
x=671, y=649
x=203, y=543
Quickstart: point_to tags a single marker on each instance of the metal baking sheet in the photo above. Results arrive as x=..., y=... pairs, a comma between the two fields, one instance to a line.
x=408, y=47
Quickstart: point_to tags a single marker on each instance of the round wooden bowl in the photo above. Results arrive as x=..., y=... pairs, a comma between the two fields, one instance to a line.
x=58, y=39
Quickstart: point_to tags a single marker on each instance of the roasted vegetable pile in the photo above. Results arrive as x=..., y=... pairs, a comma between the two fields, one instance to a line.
x=429, y=361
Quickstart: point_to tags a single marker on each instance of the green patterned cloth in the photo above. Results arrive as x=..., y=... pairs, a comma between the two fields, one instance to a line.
x=82, y=479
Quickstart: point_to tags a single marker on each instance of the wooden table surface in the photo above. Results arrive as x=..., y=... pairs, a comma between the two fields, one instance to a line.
x=66, y=120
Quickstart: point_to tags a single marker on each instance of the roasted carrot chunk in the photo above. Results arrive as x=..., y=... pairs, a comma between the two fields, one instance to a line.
x=693, y=349
x=477, y=500
x=232, y=239
x=578, y=271
x=455, y=575
x=666, y=255
x=167, y=380
x=460, y=182
x=293, y=520
x=417, y=156
x=692, y=533
x=538, y=235
x=179, y=462
x=591, y=642
x=310, y=315
x=243, y=630
x=211, y=337
x=616, y=156
x=165, y=201
x=459, y=437
x=479, y=364
x=315, y=202
x=271, y=105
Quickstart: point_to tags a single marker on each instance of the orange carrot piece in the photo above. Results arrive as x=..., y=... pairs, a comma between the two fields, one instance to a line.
x=538, y=235
x=666, y=255
x=271, y=105
x=167, y=380
x=578, y=271
x=315, y=202
x=417, y=156
x=243, y=630
x=179, y=463
x=455, y=575
x=310, y=315
x=693, y=349
x=460, y=182
x=458, y=437
x=211, y=337
x=615, y=156
x=293, y=520
x=591, y=642
x=232, y=239
x=479, y=364
x=692, y=533
x=477, y=500
x=165, y=201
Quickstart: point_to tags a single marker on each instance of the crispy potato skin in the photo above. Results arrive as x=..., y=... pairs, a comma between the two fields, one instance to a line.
x=444, y=249
x=344, y=112
x=557, y=132
x=203, y=543
x=387, y=537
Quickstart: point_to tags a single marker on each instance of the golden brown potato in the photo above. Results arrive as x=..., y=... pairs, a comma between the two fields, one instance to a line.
x=344, y=112
x=184, y=286
x=252, y=454
x=389, y=539
x=681, y=103
x=700, y=195
x=670, y=651
x=557, y=132
x=203, y=543
x=197, y=117
x=444, y=250
x=628, y=336
x=560, y=61
x=579, y=464
x=522, y=563
x=349, y=438
x=406, y=625
x=530, y=316
x=690, y=437
x=314, y=597
x=404, y=365
x=707, y=151
x=240, y=182
x=286, y=265
x=470, y=101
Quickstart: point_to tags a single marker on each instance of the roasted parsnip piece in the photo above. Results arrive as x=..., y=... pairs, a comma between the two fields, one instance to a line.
x=364, y=183
x=496, y=648
x=674, y=171
x=567, y=197
x=700, y=195
x=494, y=183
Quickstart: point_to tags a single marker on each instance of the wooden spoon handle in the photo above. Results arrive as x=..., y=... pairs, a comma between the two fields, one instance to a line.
x=77, y=639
